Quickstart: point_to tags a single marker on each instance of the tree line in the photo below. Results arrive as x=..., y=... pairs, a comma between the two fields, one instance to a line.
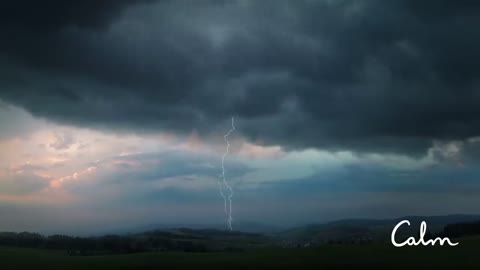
x=152, y=241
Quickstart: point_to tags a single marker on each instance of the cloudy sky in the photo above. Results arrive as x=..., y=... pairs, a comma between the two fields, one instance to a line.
x=112, y=113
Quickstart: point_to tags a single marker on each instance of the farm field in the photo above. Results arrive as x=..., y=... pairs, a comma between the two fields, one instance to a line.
x=464, y=256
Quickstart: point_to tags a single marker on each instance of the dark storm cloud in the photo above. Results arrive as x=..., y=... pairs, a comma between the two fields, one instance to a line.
x=50, y=15
x=359, y=75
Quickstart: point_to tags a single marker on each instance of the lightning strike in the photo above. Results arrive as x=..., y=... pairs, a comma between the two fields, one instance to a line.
x=224, y=185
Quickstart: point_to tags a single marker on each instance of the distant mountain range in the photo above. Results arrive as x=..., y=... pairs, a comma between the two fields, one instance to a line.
x=241, y=226
x=340, y=229
x=248, y=235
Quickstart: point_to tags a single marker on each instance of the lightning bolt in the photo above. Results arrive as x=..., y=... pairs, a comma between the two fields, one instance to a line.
x=226, y=197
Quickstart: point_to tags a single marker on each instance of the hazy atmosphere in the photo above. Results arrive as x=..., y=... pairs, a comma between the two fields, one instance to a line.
x=113, y=113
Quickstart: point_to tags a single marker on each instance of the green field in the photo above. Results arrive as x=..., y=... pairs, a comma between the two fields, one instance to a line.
x=464, y=256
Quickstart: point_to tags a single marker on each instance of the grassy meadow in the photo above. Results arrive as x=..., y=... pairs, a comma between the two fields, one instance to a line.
x=464, y=256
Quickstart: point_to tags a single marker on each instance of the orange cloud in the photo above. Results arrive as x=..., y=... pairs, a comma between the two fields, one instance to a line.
x=194, y=142
x=57, y=183
x=257, y=151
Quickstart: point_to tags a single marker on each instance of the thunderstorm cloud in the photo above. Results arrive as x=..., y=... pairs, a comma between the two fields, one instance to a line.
x=342, y=108
x=367, y=76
